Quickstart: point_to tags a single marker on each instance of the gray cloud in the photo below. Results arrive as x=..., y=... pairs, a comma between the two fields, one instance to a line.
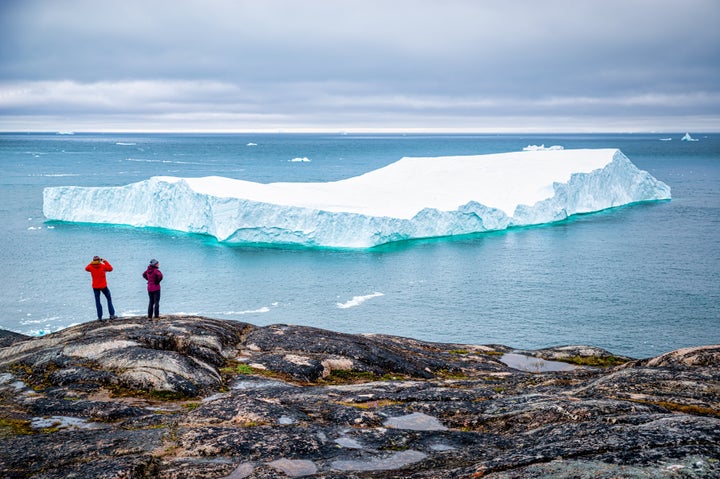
x=359, y=64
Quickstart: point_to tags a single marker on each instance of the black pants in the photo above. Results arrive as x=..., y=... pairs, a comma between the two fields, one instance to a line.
x=154, y=304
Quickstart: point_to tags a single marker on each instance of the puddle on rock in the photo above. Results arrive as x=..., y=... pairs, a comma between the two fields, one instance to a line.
x=416, y=421
x=534, y=365
x=64, y=422
x=215, y=397
x=396, y=461
x=348, y=442
x=10, y=380
x=294, y=467
x=442, y=447
x=242, y=471
x=258, y=384
x=286, y=420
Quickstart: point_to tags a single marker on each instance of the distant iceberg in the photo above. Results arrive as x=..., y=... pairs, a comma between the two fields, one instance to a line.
x=411, y=198
x=687, y=137
x=542, y=148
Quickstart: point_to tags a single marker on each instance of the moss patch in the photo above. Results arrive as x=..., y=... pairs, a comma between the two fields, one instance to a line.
x=370, y=404
x=192, y=405
x=594, y=361
x=345, y=376
x=14, y=427
x=692, y=409
x=117, y=391
x=450, y=374
x=238, y=368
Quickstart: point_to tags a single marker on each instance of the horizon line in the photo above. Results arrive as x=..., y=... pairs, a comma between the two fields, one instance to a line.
x=347, y=131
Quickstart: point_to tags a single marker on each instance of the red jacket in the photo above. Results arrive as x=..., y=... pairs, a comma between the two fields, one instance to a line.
x=97, y=270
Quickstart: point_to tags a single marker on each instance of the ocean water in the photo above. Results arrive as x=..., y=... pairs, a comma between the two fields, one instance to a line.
x=637, y=280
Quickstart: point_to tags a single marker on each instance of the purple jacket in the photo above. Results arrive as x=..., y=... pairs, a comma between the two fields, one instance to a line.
x=153, y=276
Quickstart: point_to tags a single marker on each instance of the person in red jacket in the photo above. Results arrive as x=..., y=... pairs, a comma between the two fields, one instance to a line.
x=153, y=276
x=97, y=269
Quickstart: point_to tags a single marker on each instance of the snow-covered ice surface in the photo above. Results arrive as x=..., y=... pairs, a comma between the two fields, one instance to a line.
x=411, y=198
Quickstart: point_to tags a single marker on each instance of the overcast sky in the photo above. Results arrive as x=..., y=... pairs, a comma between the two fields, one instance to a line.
x=445, y=65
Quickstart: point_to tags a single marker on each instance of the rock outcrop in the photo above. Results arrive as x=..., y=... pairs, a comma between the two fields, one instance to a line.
x=192, y=397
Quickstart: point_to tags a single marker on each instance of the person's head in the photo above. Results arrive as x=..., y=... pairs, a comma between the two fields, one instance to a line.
x=154, y=262
x=96, y=259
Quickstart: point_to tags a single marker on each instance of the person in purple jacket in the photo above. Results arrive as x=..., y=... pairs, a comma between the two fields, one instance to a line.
x=153, y=276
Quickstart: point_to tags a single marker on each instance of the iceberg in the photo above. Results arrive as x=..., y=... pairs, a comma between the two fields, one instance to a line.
x=409, y=199
x=542, y=148
x=687, y=137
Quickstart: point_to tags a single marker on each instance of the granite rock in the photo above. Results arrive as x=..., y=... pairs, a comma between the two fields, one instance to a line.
x=193, y=397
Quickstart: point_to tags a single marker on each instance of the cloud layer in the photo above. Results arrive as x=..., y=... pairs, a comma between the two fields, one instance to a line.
x=360, y=65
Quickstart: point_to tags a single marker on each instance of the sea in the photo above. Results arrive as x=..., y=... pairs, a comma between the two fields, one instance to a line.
x=638, y=280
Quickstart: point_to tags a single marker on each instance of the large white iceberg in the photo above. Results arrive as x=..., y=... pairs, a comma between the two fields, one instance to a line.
x=411, y=198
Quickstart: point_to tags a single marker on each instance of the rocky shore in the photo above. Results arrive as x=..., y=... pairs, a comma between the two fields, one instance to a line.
x=192, y=397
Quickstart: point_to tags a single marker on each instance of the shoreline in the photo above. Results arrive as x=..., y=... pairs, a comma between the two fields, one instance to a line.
x=195, y=397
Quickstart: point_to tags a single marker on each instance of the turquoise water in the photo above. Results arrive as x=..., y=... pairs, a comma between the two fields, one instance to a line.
x=636, y=280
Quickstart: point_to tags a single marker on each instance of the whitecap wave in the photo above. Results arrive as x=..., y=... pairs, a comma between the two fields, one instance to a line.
x=264, y=309
x=27, y=322
x=41, y=332
x=142, y=160
x=304, y=159
x=57, y=175
x=358, y=300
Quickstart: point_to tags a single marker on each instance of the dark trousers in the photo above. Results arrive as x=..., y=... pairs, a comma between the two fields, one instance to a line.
x=98, y=305
x=154, y=304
